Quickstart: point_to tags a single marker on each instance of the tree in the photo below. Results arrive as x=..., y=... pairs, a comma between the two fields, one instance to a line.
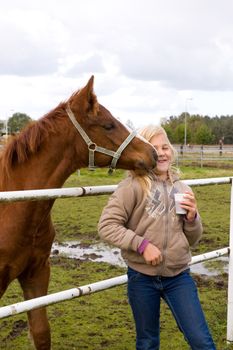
x=180, y=132
x=203, y=135
x=170, y=133
x=200, y=129
x=17, y=122
x=2, y=127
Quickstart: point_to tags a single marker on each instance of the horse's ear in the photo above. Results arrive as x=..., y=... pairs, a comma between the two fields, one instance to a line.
x=90, y=84
x=86, y=101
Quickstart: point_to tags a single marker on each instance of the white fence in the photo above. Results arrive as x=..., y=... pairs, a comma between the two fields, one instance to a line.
x=24, y=306
x=204, y=155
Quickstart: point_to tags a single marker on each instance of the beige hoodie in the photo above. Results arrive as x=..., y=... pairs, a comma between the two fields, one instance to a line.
x=130, y=217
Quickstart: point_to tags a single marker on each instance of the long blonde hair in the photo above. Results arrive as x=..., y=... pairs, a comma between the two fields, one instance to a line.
x=145, y=180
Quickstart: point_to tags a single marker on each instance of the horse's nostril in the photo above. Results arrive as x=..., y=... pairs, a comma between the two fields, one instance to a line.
x=155, y=155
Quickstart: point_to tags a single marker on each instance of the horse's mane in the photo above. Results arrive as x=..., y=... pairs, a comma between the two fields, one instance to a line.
x=30, y=139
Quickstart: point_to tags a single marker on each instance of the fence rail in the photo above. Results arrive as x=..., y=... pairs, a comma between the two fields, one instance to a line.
x=47, y=194
x=204, y=155
x=68, y=294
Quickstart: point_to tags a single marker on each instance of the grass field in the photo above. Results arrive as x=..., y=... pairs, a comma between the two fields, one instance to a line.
x=103, y=320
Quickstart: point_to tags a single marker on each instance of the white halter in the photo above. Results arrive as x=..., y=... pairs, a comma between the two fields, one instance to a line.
x=92, y=147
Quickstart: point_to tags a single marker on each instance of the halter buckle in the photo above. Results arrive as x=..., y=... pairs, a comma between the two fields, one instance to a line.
x=92, y=146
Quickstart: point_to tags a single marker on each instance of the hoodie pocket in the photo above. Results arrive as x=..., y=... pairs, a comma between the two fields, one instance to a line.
x=178, y=251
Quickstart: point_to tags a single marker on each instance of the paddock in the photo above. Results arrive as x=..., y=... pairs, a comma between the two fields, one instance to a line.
x=13, y=309
x=205, y=155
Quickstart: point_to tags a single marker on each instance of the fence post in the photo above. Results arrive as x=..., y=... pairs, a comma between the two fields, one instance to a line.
x=230, y=276
x=202, y=153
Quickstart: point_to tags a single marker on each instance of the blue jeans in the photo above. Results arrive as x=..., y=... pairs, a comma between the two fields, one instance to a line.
x=180, y=294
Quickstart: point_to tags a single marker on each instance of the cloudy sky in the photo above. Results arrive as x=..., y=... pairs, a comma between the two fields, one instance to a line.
x=151, y=58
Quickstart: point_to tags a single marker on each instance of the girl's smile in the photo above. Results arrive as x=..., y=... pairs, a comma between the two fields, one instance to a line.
x=161, y=145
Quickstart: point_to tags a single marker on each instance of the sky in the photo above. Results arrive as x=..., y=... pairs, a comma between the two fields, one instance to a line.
x=151, y=59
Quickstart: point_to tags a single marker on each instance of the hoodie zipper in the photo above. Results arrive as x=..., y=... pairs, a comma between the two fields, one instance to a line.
x=166, y=229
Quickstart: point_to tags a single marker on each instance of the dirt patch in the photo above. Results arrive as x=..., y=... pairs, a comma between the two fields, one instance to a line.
x=66, y=263
x=219, y=282
x=92, y=256
x=80, y=245
x=17, y=328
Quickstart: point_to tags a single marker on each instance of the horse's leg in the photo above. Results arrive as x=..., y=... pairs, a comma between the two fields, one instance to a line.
x=35, y=285
x=4, y=279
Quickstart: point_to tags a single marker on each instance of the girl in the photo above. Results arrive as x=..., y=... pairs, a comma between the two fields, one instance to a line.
x=155, y=242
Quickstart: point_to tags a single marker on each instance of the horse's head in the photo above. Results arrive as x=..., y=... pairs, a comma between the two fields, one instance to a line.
x=105, y=136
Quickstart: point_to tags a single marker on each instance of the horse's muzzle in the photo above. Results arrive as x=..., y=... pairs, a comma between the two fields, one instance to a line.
x=155, y=157
x=141, y=167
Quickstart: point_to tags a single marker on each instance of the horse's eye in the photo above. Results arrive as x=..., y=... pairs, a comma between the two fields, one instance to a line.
x=109, y=126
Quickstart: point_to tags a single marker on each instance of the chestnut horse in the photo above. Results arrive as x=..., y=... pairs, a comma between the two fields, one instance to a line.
x=43, y=156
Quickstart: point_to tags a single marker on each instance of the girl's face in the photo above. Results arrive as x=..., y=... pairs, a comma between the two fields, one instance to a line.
x=164, y=151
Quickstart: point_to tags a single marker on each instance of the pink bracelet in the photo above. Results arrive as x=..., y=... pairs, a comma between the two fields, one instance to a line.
x=142, y=246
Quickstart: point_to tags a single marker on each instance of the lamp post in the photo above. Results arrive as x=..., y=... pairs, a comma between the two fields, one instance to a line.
x=185, y=120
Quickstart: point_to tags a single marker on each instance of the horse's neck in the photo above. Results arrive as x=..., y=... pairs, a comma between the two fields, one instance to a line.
x=48, y=168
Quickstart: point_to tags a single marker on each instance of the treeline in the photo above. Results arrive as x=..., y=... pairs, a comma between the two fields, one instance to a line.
x=199, y=129
x=14, y=124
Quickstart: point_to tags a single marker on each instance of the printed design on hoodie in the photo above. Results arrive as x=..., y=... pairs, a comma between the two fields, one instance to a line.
x=156, y=206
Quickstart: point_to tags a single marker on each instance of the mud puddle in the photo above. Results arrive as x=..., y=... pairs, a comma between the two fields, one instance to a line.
x=102, y=252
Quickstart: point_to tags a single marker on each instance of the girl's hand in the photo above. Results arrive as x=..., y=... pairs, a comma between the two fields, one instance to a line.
x=190, y=204
x=152, y=254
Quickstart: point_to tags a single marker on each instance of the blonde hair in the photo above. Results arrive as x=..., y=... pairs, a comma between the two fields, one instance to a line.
x=147, y=133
